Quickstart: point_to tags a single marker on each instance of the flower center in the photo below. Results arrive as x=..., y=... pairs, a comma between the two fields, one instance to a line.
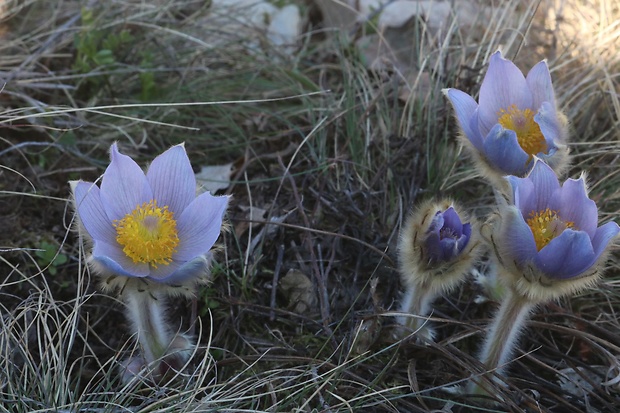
x=528, y=132
x=446, y=232
x=546, y=225
x=148, y=234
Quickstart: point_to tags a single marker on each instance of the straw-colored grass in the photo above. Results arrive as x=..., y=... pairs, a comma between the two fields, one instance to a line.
x=334, y=155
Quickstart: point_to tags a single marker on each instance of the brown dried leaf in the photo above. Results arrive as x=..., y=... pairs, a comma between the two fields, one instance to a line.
x=300, y=291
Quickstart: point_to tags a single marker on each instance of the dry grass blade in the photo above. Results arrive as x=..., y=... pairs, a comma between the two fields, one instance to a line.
x=335, y=137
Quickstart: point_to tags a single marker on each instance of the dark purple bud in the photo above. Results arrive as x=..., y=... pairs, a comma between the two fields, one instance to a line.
x=446, y=237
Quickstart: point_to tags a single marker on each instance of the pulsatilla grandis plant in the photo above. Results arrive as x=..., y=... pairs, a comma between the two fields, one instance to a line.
x=151, y=237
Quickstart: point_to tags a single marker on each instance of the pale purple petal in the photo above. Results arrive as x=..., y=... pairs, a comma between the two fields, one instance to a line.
x=196, y=268
x=199, y=226
x=567, y=255
x=163, y=271
x=172, y=179
x=573, y=204
x=546, y=183
x=478, y=128
x=464, y=240
x=433, y=247
x=113, y=258
x=503, y=85
x=449, y=249
x=503, y=151
x=446, y=236
x=524, y=193
x=518, y=237
x=91, y=212
x=124, y=186
x=604, y=234
x=436, y=223
x=453, y=221
x=547, y=120
x=539, y=81
x=465, y=108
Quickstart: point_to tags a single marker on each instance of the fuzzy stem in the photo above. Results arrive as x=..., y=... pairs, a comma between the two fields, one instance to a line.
x=416, y=301
x=146, y=312
x=502, y=335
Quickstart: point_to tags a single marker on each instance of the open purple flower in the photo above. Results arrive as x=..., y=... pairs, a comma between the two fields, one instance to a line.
x=556, y=229
x=548, y=240
x=515, y=120
x=447, y=236
x=548, y=244
x=150, y=225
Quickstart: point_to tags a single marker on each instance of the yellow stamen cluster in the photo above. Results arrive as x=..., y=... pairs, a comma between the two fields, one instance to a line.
x=528, y=132
x=148, y=234
x=546, y=225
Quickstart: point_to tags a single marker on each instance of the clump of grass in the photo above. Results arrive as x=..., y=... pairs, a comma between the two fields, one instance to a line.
x=343, y=166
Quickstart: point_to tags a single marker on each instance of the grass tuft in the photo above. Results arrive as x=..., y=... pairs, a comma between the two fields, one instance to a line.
x=335, y=144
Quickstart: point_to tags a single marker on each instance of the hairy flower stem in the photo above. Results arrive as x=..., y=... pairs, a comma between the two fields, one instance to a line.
x=502, y=335
x=417, y=302
x=146, y=312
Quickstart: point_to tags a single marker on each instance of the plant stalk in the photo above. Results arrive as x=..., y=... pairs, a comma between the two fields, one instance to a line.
x=503, y=333
x=416, y=301
x=146, y=312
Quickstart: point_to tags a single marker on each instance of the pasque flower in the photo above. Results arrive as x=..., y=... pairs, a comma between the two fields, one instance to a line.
x=150, y=236
x=547, y=239
x=516, y=119
x=547, y=244
x=150, y=225
x=436, y=249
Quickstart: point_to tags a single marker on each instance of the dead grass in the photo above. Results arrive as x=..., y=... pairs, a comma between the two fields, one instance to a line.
x=332, y=153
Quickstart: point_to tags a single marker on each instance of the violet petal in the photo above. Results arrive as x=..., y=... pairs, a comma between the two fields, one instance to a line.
x=196, y=268
x=573, y=205
x=546, y=183
x=518, y=237
x=503, y=151
x=465, y=108
x=113, y=258
x=567, y=255
x=91, y=212
x=503, y=86
x=453, y=221
x=124, y=186
x=539, y=81
x=604, y=234
x=199, y=226
x=172, y=179
x=449, y=249
x=547, y=120
x=524, y=194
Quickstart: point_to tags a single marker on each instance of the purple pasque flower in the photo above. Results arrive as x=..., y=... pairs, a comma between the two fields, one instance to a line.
x=435, y=252
x=150, y=225
x=515, y=120
x=552, y=229
x=446, y=236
